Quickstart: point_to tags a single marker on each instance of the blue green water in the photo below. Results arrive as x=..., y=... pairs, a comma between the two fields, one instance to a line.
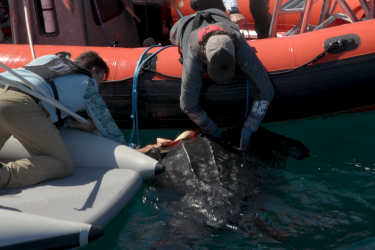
x=327, y=201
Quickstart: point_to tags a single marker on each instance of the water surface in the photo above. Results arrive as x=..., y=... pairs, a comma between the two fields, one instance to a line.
x=326, y=201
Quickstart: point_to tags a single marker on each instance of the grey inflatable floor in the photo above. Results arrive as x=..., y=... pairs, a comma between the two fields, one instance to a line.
x=91, y=195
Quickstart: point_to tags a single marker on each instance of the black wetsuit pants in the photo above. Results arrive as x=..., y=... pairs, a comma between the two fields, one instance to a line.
x=258, y=8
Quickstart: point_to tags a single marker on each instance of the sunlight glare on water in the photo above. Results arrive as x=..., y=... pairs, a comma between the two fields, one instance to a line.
x=326, y=201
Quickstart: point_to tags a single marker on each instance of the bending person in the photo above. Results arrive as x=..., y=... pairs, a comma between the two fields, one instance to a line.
x=258, y=8
x=32, y=121
x=216, y=49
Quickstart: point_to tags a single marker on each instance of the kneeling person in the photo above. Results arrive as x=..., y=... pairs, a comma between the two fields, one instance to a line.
x=216, y=49
x=32, y=121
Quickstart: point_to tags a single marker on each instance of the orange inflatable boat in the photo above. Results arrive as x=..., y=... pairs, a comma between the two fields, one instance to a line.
x=341, y=80
x=287, y=21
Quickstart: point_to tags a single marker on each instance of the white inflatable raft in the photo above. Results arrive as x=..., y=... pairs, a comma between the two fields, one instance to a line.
x=71, y=212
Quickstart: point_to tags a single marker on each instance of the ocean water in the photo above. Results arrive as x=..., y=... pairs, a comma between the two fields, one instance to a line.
x=326, y=201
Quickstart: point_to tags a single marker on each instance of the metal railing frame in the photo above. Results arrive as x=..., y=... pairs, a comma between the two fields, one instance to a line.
x=304, y=7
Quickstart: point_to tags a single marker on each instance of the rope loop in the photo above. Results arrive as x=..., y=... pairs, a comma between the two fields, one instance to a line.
x=138, y=68
x=329, y=49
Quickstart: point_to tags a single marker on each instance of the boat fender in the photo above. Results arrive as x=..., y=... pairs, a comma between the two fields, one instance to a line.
x=349, y=42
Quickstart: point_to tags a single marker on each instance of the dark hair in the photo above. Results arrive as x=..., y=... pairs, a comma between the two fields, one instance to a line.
x=206, y=37
x=91, y=59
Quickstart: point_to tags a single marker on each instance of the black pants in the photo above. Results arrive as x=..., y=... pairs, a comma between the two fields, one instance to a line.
x=258, y=8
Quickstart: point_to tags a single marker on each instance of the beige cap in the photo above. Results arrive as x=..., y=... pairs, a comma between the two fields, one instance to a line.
x=220, y=54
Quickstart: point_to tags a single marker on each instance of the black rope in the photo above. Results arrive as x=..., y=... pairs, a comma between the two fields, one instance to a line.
x=156, y=72
x=151, y=70
x=329, y=49
x=115, y=81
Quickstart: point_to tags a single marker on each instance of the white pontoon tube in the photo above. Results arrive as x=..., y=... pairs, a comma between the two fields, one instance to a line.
x=27, y=231
x=87, y=150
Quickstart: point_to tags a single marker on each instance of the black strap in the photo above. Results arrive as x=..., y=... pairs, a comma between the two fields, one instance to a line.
x=181, y=59
x=60, y=122
x=56, y=68
x=206, y=16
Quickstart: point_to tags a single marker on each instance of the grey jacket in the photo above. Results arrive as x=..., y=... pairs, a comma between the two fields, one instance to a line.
x=194, y=70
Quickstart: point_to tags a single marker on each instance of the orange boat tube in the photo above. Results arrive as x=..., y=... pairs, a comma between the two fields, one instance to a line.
x=340, y=81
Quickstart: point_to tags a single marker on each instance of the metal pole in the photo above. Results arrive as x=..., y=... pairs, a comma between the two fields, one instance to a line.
x=325, y=11
x=306, y=15
x=291, y=4
x=333, y=7
x=13, y=12
x=345, y=7
x=29, y=35
x=291, y=11
x=275, y=18
x=365, y=7
x=372, y=9
x=292, y=31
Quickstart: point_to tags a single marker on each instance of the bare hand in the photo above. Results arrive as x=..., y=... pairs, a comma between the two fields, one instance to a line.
x=238, y=19
x=90, y=127
x=178, y=4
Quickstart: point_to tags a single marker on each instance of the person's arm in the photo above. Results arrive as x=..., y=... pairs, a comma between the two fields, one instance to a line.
x=191, y=85
x=255, y=72
x=236, y=18
x=100, y=115
x=230, y=3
